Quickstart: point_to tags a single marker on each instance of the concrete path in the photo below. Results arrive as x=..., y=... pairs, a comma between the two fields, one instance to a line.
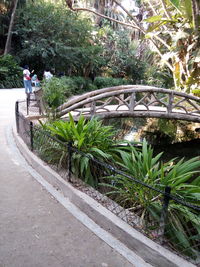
x=36, y=230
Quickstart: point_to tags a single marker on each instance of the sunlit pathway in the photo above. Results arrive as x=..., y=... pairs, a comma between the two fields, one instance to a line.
x=36, y=230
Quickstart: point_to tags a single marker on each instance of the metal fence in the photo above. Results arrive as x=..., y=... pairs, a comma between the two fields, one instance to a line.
x=164, y=217
x=23, y=125
x=30, y=106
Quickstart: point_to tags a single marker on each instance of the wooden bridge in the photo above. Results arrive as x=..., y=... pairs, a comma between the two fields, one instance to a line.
x=133, y=101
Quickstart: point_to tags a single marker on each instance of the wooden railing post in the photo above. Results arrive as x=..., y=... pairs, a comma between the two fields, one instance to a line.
x=170, y=105
x=132, y=102
x=93, y=108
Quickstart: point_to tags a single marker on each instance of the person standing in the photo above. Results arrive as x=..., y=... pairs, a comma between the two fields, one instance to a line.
x=47, y=75
x=27, y=79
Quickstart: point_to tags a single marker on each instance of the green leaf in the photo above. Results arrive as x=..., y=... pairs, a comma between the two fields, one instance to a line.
x=100, y=152
x=175, y=3
x=154, y=19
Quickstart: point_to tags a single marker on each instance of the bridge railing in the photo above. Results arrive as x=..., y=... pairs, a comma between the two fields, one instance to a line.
x=134, y=101
x=159, y=220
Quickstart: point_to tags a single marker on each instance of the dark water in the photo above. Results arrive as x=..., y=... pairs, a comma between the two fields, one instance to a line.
x=128, y=128
x=187, y=149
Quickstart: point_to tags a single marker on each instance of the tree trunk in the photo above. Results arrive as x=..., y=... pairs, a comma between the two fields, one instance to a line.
x=100, y=7
x=9, y=36
x=195, y=14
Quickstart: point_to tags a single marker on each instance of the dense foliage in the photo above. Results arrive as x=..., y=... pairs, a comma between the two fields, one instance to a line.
x=10, y=72
x=95, y=142
x=172, y=27
x=120, y=55
x=184, y=181
x=91, y=137
x=50, y=36
x=176, y=35
x=55, y=92
x=46, y=35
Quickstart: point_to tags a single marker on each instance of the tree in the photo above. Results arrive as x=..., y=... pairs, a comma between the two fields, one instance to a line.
x=178, y=30
x=120, y=55
x=49, y=36
x=9, y=35
x=173, y=28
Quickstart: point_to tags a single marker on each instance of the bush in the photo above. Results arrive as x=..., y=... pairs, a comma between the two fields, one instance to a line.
x=77, y=85
x=10, y=73
x=91, y=137
x=182, y=228
x=80, y=85
x=158, y=77
x=103, y=82
x=55, y=91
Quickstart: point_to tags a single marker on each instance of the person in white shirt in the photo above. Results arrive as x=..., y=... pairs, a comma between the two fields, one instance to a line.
x=27, y=80
x=47, y=75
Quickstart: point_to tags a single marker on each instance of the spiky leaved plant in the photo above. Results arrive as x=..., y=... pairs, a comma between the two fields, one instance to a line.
x=90, y=137
x=183, y=225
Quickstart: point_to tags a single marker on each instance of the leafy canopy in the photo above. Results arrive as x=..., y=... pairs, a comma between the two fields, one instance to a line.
x=48, y=35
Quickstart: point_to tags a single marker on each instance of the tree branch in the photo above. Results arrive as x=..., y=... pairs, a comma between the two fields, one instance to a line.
x=136, y=26
x=130, y=15
x=165, y=10
x=161, y=55
x=106, y=17
x=161, y=41
x=152, y=8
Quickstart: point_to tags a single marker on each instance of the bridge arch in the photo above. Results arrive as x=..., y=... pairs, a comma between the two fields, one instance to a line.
x=133, y=101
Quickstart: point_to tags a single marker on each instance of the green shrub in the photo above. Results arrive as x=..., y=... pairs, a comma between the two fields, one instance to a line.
x=77, y=85
x=92, y=138
x=103, y=82
x=11, y=75
x=56, y=91
x=92, y=87
x=80, y=84
x=182, y=229
x=158, y=77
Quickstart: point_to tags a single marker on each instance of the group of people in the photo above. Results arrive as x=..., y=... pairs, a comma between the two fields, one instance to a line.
x=30, y=79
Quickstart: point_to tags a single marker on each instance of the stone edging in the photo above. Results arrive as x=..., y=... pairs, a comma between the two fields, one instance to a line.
x=145, y=248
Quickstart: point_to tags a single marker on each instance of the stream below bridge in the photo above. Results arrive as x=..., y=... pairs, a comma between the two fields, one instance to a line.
x=174, y=138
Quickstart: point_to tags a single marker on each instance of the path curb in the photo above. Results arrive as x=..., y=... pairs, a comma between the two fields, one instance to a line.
x=145, y=248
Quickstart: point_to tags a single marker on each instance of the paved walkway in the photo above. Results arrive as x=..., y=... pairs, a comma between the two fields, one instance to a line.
x=36, y=230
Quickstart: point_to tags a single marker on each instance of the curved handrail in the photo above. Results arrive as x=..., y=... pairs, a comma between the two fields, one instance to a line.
x=176, y=105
